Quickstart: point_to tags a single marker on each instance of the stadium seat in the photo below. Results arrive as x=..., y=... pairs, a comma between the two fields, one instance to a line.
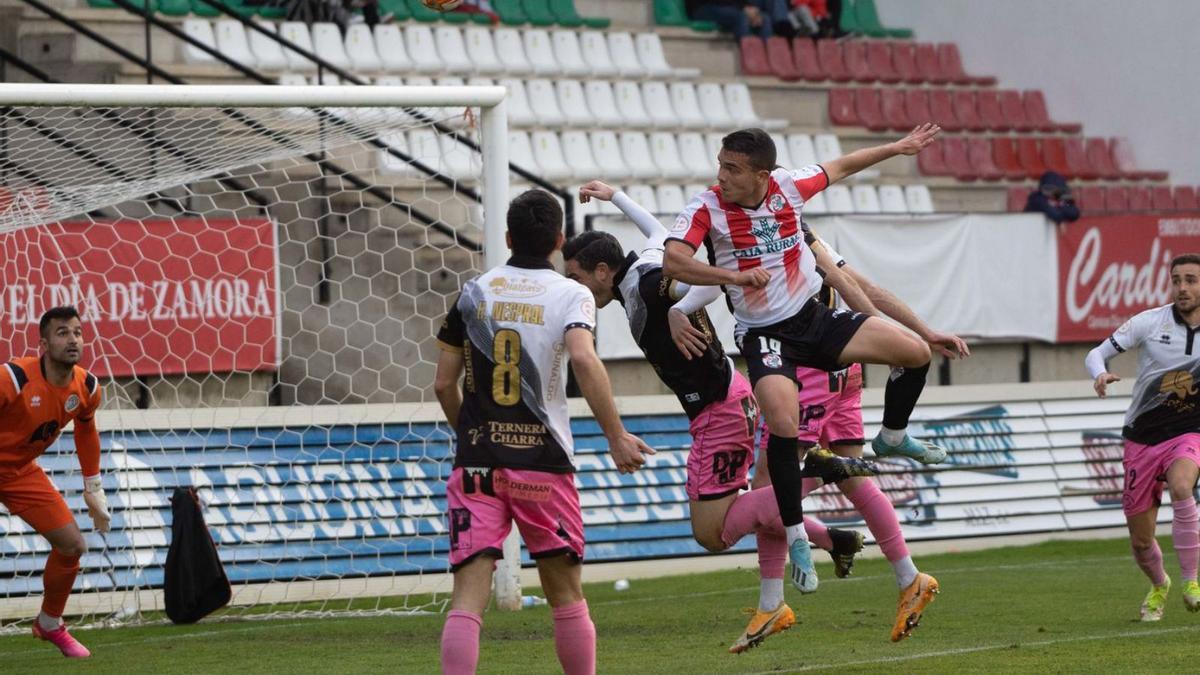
x=596, y=55
x=838, y=199
x=879, y=61
x=233, y=42
x=624, y=55
x=1185, y=198
x=1054, y=154
x=573, y=104
x=801, y=150
x=567, y=15
x=712, y=144
x=752, y=57
x=328, y=44
x=966, y=111
x=833, y=64
x=931, y=161
x=458, y=161
x=782, y=156
x=1029, y=154
x=520, y=113
x=1117, y=198
x=979, y=151
x=568, y=53
x=1004, y=154
x=1017, y=196
x=670, y=199
x=1014, y=110
x=950, y=63
x=665, y=152
x=636, y=151
x=990, y=114
x=928, y=66
x=842, y=108
x=419, y=42
x=804, y=53
x=389, y=163
x=600, y=101
x=424, y=146
x=917, y=103
x=392, y=52
x=870, y=111
x=891, y=199
x=548, y=150
x=643, y=195
x=674, y=13
x=577, y=150
x=854, y=53
x=296, y=32
x=941, y=107
x=481, y=50
x=544, y=103
x=895, y=112
x=1101, y=159
x=694, y=154
x=201, y=31
x=453, y=50
x=658, y=104
x=538, y=12
x=904, y=60
x=629, y=102
x=918, y=198
x=511, y=51
x=866, y=17
x=1161, y=198
x=866, y=199
x=1139, y=198
x=511, y=12
x=827, y=147
x=540, y=53
x=360, y=48
x=1090, y=200
x=1036, y=113
x=816, y=205
x=1077, y=159
x=780, y=60
x=737, y=99
x=650, y=53
x=689, y=112
x=958, y=162
x=520, y=153
x=267, y=52
x=1123, y=159
x=712, y=105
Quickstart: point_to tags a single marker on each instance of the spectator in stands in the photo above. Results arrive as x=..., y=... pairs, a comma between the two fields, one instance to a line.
x=763, y=18
x=1053, y=198
x=818, y=18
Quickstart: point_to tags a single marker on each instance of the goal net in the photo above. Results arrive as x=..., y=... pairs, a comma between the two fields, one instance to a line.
x=260, y=272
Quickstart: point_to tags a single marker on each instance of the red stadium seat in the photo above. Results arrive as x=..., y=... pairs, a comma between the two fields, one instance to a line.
x=987, y=102
x=879, y=60
x=942, y=108
x=805, y=53
x=870, y=111
x=753, y=52
x=1185, y=198
x=1054, y=152
x=954, y=151
x=1117, y=199
x=855, y=54
x=1161, y=198
x=1078, y=161
x=979, y=151
x=1017, y=196
x=1100, y=157
x=1029, y=153
x=1004, y=153
x=1035, y=111
x=928, y=65
x=779, y=57
x=829, y=55
x=930, y=161
x=950, y=61
x=917, y=102
x=894, y=109
x=904, y=59
x=1091, y=199
x=1139, y=198
x=1014, y=110
x=966, y=111
x=842, y=110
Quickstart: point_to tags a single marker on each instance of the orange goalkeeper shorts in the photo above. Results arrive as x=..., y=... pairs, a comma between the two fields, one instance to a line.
x=29, y=495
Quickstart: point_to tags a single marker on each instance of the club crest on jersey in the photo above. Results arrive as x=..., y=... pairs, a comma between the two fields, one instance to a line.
x=772, y=360
x=1179, y=383
x=515, y=288
x=775, y=203
x=766, y=228
x=72, y=403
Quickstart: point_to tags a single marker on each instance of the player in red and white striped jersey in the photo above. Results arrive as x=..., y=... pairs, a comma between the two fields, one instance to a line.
x=750, y=222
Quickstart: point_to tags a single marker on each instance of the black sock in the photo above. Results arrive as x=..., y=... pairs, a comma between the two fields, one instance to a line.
x=901, y=394
x=783, y=460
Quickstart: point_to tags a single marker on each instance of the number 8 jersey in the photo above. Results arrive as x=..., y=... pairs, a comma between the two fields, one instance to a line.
x=510, y=324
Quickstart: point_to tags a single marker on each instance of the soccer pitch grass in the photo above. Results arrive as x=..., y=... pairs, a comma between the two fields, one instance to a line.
x=1053, y=607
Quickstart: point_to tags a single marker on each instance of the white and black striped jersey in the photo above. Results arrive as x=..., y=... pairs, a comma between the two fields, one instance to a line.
x=510, y=323
x=1166, y=395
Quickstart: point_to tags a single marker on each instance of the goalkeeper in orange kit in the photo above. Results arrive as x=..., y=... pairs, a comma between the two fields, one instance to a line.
x=39, y=395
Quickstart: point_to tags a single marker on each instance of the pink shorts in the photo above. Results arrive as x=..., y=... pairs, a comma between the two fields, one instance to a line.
x=828, y=417
x=1146, y=470
x=483, y=503
x=723, y=443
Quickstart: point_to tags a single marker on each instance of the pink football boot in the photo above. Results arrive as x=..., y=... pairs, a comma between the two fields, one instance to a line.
x=66, y=644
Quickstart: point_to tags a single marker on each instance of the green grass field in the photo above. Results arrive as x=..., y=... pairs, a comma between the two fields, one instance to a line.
x=1055, y=607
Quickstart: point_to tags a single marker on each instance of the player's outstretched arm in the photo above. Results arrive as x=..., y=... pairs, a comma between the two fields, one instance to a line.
x=843, y=283
x=87, y=448
x=445, y=384
x=628, y=451
x=850, y=164
x=679, y=264
x=650, y=226
x=1097, y=365
x=947, y=344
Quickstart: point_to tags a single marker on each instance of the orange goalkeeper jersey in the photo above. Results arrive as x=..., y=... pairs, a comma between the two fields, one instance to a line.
x=33, y=412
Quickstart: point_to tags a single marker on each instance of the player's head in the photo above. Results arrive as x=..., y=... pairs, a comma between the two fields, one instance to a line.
x=744, y=165
x=593, y=259
x=61, y=334
x=535, y=224
x=1185, y=281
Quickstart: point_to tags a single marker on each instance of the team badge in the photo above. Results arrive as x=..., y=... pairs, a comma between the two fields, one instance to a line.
x=772, y=361
x=775, y=203
x=72, y=403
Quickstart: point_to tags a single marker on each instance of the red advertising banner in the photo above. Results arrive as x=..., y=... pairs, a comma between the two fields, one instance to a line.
x=1112, y=267
x=157, y=297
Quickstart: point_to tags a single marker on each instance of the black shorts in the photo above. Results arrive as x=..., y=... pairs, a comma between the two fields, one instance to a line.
x=812, y=338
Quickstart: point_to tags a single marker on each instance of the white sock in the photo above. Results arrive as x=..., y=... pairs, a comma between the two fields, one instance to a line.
x=906, y=571
x=893, y=436
x=795, y=532
x=47, y=622
x=770, y=594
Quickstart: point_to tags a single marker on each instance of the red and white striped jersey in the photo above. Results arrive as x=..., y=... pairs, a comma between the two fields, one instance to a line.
x=768, y=236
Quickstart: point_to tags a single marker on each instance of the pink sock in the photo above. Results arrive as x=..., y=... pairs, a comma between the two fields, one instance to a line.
x=877, y=510
x=1150, y=560
x=575, y=639
x=1186, y=537
x=818, y=534
x=751, y=511
x=772, y=554
x=460, y=643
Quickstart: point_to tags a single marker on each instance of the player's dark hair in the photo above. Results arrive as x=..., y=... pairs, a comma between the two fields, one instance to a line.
x=1186, y=259
x=64, y=313
x=592, y=248
x=755, y=144
x=535, y=220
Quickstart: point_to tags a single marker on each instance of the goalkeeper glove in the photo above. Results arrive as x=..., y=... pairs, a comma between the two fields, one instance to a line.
x=97, y=503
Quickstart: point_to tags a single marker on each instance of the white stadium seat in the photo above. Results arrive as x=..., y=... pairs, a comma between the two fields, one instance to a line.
x=328, y=44
x=423, y=146
x=540, y=52
x=201, y=31
x=267, y=52
x=360, y=47
x=650, y=53
x=693, y=189
x=519, y=112
x=482, y=50
x=816, y=205
x=643, y=195
x=391, y=164
x=737, y=98
x=511, y=51
x=603, y=105
x=713, y=107
x=233, y=42
x=568, y=53
x=418, y=40
x=296, y=32
x=624, y=55
x=658, y=104
x=839, y=199
x=607, y=152
x=670, y=199
x=629, y=102
x=577, y=149
x=458, y=161
x=687, y=104
x=595, y=53
x=546, y=108
x=712, y=142
x=665, y=152
x=828, y=147
x=636, y=151
x=573, y=104
x=390, y=43
x=801, y=150
x=452, y=50
x=866, y=199
x=520, y=153
x=891, y=199
x=782, y=156
x=694, y=154
x=918, y=198
x=548, y=151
